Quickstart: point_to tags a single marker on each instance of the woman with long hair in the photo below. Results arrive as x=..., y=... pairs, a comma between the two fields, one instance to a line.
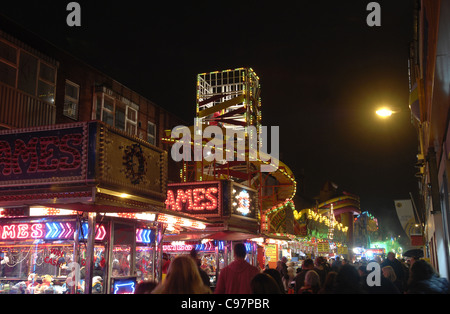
x=183, y=277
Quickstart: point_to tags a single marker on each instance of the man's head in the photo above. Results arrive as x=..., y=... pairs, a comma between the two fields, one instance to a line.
x=391, y=256
x=240, y=251
x=308, y=264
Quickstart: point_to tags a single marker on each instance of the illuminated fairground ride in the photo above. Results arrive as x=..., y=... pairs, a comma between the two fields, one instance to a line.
x=230, y=100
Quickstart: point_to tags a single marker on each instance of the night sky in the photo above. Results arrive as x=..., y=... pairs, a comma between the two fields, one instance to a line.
x=323, y=74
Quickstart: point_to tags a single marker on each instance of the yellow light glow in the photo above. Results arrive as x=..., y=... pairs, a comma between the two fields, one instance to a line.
x=384, y=112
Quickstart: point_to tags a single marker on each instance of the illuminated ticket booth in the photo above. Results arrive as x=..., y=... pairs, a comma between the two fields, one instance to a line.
x=81, y=210
x=231, y=212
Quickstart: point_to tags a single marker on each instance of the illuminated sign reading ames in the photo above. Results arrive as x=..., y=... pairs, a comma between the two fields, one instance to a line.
x=195, y=198
x=47, y=231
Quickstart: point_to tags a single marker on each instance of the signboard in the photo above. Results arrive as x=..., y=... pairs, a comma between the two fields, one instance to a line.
x=131, y=164
x=323, y=247
x=416, y=240
x=54, y=230
x=63, y=163
x=405, y=215
x=272, y=255
x=124, y=285
x=44, y=155
x=342, y=250
x=243, y=201
x=196, y=198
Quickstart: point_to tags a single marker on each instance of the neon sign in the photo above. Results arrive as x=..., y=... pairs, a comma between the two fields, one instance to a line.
x=57, y=230
x=243, y=201
x=181, y=246
x=124, y=287
x=195, y=198
x=145, y=236
x=48, y=231
x=100, y=232
x=42, y=154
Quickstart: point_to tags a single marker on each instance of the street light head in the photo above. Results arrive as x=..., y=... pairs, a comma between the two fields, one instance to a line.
x=384, y=112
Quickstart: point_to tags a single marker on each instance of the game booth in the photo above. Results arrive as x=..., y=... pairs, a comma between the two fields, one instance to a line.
x=231, y=214
x=82, y=210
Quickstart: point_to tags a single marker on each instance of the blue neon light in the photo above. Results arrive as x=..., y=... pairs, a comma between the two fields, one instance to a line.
x=84, y=228
x=124, y=288
x=53, y=230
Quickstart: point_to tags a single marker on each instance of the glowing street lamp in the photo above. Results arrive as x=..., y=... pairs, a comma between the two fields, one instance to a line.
x=384, y=113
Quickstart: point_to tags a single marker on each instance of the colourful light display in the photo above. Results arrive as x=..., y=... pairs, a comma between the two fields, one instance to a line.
x=57, y=230
x=243, y=201
x=99, y=234
x=145, y=236
x=126, y=286
x=195, y=198
x=48, y=231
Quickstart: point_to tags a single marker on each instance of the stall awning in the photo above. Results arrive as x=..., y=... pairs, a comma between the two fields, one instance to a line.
x=220, y=235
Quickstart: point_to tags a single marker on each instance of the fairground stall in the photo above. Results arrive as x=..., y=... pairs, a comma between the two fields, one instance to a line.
x=82, y=210
x=230, y=210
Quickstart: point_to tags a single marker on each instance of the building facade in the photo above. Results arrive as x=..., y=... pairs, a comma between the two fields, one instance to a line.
x=429, y=103
x=41, y=84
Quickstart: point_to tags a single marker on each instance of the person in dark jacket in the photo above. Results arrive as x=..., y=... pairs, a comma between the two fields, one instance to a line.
x=282, y=269
x=399, y=269
x=424, y=280
x=275, y=274
x=308, y=264
x=348, y=281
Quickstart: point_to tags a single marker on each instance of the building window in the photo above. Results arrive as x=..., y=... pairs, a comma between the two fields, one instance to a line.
x=131, y=121
x=28, y=70
x=116, y=112
x=108, y=111
x=22, y=70
x=8, y=64
x=71, y=100
x=46, y=83
x=151, y=133
x=120, y=118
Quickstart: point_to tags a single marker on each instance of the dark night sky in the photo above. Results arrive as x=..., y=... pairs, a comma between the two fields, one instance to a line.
x=323, y=73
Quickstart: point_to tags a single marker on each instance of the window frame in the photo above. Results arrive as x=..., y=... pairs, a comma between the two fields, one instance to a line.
x=129, y=121
x=38, y=78
x=149, y=136
x=116, y=103
x=72, y=100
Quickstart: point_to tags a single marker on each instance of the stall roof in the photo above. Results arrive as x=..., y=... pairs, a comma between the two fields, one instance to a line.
x=220, y=235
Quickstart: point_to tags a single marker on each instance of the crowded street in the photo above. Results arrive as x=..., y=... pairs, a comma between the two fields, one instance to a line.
x=233, y=154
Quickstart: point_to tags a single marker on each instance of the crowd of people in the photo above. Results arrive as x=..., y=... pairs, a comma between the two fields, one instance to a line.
x=320, y=276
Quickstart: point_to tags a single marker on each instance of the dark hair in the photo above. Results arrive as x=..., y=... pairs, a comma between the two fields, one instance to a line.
x=240, y=250
x=193, y=253
x=275, y=274
x=348, y=280
x=308, y=262
x=264, y=284
x=421, y=270
x=145, y=287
